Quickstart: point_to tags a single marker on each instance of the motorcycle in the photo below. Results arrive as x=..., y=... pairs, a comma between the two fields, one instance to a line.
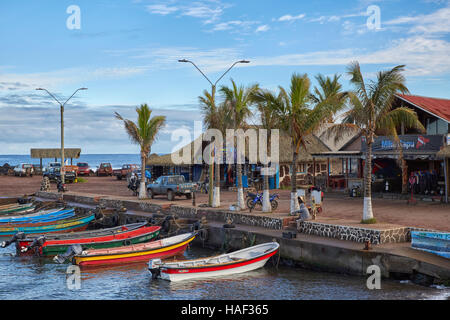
x=256, y=199
x=60, y=186
x=134, y=184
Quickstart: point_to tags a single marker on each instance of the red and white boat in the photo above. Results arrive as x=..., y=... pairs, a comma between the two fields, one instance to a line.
x=244, y=260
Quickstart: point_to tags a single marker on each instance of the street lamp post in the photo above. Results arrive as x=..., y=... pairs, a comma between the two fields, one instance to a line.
x=61, y=105
x=213, y=92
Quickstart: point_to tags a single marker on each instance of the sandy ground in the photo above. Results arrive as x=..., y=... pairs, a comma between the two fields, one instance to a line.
x=424, y=215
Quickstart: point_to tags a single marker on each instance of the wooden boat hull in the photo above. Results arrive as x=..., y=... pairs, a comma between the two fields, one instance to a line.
x=67, y=225
x=129, y=255
x=48, y=216
x=21, y=208
x=185, y=270
x=434, y=242
x=55, y=247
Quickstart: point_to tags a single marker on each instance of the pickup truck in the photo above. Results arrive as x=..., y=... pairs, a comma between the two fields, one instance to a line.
x=54, y=174
x=24, y=169
x=171, y=186
x=105, y=169
x=124, y=171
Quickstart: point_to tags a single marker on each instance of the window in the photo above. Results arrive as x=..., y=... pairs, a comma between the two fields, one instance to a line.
x=436, y=126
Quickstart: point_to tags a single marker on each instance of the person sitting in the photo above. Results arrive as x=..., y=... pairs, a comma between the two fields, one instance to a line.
x=303, y=211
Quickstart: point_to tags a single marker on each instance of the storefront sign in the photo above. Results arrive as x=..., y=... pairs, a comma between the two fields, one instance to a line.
x=413, y=143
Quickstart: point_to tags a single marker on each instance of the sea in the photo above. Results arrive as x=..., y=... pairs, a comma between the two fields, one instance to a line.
x=94, y=160
x=35, y=278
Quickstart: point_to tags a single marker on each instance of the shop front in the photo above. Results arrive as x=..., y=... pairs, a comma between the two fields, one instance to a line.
x=421, y=170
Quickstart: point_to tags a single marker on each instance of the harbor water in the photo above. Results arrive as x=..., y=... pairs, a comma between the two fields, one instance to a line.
x=28, y=277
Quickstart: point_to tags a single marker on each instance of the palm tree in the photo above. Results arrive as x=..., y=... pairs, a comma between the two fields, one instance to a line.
x=301, y=115
x=213, y=119
x=329, y=89
x=371, y=111
x=267, y=104
x=143, y=133
x=238, y=99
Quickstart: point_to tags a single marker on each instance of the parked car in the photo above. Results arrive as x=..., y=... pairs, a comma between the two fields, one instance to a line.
x=54, y=173
x=171, y=186
x=125, y=170
x=23, y=170
x=105, y=169
x=84, y=169
x=51, y=165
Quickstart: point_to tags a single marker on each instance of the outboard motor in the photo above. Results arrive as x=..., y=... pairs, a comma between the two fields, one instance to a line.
x=154, y=268
x=37, y=243
x=17, y=236
x=72, y=251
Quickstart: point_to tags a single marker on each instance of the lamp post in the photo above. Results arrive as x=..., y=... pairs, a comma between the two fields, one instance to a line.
x=62, y=126
x=213, y=91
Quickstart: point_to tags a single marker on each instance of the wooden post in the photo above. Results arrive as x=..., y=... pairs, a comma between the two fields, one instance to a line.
x=40, y=163
x=446, y=177
x=328, y=172
x=314, y=171
x=346, y=173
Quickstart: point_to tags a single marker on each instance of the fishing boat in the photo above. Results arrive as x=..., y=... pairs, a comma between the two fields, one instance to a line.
x=52, y=245
x=235, y=262
x=17, y=208
x=76, y=223
x=163, y=248
x=40, y=217
x=434, y=242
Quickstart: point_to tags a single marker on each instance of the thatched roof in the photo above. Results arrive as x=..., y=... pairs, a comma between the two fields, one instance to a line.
x=55, y=153
x=444, y=153
x=314, y=145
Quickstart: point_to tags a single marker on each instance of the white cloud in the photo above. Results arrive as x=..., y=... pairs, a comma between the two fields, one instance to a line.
x=436, y=22
x=208, y=11
x=288, y=17
x=262, y=28
x=162, y=9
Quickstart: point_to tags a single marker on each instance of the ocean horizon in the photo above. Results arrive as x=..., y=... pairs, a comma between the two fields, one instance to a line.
x=93, y=159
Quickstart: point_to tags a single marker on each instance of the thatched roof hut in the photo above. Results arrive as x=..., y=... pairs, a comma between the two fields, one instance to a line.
x=314, y=145
x=55, y=153
x=444, y=152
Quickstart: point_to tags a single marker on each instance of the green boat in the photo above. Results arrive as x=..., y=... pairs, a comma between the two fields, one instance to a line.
x=101, y=239
x=20, y=208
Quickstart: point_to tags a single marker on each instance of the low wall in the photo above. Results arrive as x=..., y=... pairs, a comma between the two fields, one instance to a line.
x=356, y=234
x=182, y=212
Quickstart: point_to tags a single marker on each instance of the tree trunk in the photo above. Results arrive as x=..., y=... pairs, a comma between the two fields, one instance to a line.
x=240, y=193
x=142, y=187
x=266, y=194
x=367, y=211
x=402, y=163
x=216, y=194
x=294, y=201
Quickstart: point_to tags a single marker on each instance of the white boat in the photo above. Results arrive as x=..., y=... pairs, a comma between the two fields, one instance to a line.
x=244, y=260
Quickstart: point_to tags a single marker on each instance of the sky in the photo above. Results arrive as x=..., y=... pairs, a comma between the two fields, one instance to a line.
x=126, y=53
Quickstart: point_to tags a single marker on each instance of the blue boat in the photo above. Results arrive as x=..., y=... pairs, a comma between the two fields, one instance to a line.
x=434, y=242
x=78, y=223
x=44, y=216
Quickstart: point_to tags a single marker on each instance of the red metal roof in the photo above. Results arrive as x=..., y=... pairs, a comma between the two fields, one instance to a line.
x=438, y=107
